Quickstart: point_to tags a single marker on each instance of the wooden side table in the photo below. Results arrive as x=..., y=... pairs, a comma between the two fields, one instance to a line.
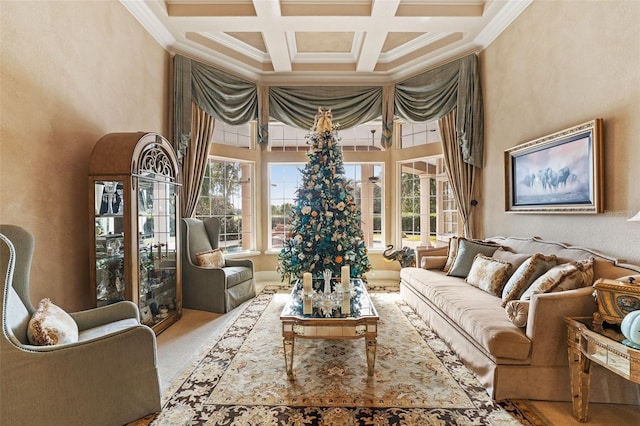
x=606, y=349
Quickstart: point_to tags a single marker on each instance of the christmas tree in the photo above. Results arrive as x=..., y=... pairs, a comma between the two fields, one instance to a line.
x=325, y=220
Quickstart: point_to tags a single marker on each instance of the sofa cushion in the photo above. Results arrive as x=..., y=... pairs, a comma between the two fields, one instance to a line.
x=567, y=276
x=237, y=274
x=515, y=259
x=51, y=325
x=488, y=274
x=210, y=258
x=467, y=250
x=525, y=275
x=477, y=313
x=518, y=312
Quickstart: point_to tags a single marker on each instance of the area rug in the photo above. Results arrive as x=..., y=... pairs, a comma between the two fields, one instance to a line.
x=240, y=379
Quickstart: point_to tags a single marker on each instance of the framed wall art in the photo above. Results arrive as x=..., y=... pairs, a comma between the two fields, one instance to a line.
x=558, y=173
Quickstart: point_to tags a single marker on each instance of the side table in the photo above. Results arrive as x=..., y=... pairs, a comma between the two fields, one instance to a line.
x=604, y=348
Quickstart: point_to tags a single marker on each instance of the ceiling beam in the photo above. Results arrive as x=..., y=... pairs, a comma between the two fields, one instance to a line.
x=374, y=40
x=325, y=24
x=268, y=11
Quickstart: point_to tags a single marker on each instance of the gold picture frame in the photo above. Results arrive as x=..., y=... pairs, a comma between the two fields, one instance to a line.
x=558, y=173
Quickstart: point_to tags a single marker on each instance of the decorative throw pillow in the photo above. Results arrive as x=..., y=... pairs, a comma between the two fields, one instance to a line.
x=518, y=312
x=210, y=258
x=51, y=325
x=488, y=274
x=567, y=276
x=467, y=250
x=526, y=274
x=433, y=262
x=515, y=259
x=451, y=254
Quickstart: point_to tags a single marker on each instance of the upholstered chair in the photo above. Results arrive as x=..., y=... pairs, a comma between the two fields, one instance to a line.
x=108, y=377
x=214, y=289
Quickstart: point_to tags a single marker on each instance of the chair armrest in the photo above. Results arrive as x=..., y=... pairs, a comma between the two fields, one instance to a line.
x=239, y=262
x=106, y=314
x=138, y=332
x=546, y=326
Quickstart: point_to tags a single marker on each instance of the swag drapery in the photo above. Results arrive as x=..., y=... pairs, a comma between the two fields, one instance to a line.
x=432, y=95
x=201, y=95
x=452, y=94
x=350, y=106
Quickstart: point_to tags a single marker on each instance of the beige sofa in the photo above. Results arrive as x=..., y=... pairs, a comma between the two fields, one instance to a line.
x=510, y=361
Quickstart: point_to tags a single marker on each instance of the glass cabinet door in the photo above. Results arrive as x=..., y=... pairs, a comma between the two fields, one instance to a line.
x=110, y=232
x=158, y=250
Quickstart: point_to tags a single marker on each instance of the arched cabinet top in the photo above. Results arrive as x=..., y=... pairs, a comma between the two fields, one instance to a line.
x=138, y=154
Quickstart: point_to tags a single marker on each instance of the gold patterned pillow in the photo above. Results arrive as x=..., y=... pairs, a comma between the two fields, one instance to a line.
x=488, y=274
x=210, y=259
x=518, y=312
x=567, y=276
x=526, y=274
x=51, y=325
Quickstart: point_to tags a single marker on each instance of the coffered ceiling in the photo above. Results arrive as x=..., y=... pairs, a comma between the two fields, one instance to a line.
x=325, y=41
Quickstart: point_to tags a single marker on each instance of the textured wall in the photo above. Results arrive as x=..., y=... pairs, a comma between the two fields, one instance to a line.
x=71, y=72
x=559, y=64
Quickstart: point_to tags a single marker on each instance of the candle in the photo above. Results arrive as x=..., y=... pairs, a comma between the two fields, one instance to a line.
x=306, y=279
x=345, y=276
x=307, y=302
x=346, y=303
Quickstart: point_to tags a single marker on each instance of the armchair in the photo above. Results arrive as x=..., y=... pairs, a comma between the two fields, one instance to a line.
x=108, y=377
x=212, y=289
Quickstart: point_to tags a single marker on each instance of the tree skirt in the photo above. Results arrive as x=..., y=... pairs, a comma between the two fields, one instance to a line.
x=241, y=379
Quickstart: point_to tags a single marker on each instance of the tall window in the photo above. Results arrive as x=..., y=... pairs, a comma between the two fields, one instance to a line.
x=428, y=210
x=365, y=179
x=284, y=180
x=364, y=137
x=227, y=194
x=414, y=134
x=239, y=136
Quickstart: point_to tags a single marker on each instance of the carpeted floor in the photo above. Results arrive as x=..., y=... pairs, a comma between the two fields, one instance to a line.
x=240, y=379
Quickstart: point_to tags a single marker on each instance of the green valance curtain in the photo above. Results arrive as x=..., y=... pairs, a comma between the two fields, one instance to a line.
x=223, y=96
x=433, y=94
x=297, y=106
x=201, y=95
x=425, y=97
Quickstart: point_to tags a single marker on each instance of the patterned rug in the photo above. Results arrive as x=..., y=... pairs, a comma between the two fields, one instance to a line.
x=241, y=378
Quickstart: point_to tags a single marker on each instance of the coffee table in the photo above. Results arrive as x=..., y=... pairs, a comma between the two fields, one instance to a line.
x=360, y=322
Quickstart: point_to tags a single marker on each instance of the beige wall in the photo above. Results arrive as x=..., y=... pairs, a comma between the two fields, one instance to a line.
x=71, y=72
x=562, y=63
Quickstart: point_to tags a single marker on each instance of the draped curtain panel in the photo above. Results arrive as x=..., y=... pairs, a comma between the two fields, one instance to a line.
x=221, y=95
x=461, y=175
x=431, y=95
x=297, y=106
x=195, y=159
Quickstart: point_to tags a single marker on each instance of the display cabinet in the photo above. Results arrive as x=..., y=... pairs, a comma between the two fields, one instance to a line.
x=134, y=202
